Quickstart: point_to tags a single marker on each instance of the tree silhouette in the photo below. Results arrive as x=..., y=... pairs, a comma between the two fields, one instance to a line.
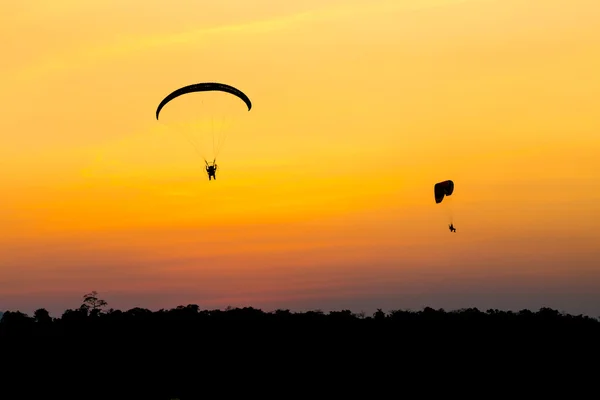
x=42, y=316
x=93, y=304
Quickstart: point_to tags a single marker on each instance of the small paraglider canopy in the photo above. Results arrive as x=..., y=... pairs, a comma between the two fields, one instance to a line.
x=441, y=189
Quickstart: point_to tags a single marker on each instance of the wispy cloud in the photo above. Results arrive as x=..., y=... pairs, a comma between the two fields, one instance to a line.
x=133, y=44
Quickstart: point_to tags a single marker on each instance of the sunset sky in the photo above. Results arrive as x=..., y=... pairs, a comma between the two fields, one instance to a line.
x=324, y=197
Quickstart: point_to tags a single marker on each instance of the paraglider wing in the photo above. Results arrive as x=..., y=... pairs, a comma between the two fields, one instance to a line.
x=441, y=189
x=203, y=87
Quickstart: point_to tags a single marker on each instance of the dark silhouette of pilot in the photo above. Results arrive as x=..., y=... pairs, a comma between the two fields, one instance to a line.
x=211, y=170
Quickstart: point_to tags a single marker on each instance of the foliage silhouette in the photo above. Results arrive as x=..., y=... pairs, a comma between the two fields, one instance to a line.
x=187, y=352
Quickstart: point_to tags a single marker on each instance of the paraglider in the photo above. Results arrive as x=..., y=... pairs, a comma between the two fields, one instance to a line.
x=442, y=190
x=195, y=123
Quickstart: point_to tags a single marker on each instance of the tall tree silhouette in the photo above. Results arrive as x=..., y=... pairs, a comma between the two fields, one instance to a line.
x=93, y=304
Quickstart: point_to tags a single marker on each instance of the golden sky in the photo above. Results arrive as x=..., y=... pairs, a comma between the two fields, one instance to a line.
x=324, y=197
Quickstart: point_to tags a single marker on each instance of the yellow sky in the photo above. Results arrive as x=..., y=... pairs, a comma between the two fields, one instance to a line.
x=324, y=196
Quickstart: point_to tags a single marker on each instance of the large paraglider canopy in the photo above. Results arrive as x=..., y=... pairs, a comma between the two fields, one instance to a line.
x=441, y=189
x=204, y=87
x=204, y=115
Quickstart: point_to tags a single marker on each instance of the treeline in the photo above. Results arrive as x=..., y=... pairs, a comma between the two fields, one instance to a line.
x=180, y=352
x=94, y=317
x=93, y=313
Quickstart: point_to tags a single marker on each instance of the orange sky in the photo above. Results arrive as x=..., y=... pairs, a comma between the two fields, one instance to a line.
x=324, y=198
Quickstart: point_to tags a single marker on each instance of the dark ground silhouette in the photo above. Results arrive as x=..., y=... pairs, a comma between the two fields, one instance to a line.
x=190, y=353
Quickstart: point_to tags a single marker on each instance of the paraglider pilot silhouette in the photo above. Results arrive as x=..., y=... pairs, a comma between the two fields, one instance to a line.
x=211, y=169
x=452, y=228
